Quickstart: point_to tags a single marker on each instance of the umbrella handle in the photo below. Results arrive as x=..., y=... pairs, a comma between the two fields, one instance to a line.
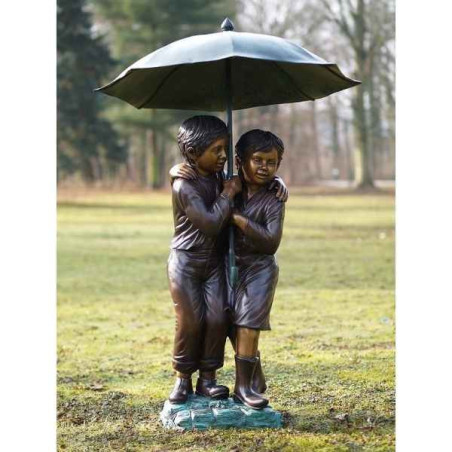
x=233, y=270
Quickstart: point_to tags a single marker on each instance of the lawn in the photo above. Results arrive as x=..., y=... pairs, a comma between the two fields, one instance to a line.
x=329, y=358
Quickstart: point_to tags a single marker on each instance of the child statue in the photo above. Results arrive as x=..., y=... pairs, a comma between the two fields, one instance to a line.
x=258, y=218
x=202, y=208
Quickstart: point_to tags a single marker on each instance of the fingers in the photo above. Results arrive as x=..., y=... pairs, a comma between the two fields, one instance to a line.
x=187, y=174
x=285, y=195
x=272, y=184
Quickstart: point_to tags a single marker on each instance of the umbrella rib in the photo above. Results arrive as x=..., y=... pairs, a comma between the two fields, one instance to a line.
x=342, y=76
x=290, y=79
x=149, y=98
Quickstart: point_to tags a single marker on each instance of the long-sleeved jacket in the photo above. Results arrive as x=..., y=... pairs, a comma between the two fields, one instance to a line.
x=200, y=213
x=263, y=232
x=252, y=298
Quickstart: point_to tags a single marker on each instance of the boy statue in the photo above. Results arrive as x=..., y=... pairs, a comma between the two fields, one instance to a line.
x=202, y=208
x=259, y=218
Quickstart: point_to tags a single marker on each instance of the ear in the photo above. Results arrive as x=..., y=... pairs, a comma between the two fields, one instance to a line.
x=190, y=153
x=238, y=162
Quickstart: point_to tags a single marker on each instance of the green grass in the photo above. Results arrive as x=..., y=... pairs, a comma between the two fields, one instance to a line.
x=329, y=358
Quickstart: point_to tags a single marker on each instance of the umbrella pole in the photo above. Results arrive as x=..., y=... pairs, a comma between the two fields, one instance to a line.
x=233, y=271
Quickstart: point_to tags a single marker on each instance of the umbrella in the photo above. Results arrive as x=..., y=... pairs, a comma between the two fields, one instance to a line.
x=227, y=71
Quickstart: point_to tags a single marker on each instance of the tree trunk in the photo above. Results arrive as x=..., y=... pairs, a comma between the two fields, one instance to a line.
x=315, y=142
x=363, y=171
x=294, y=154
x=363, y=175
x=162, y=162
x=143, y=169
x=349, y=167
x=157, y=181
x=335, y=138
x=375, y=116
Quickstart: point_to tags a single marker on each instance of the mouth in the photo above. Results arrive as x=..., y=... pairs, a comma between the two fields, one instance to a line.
x=262, y=176
x=221, y=164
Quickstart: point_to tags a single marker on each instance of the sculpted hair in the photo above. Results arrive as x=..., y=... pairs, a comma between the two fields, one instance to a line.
x=197, y=133
x=258, y=140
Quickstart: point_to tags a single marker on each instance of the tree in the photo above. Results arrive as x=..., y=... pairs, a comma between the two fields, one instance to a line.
x=368, y=27
x=86, y=141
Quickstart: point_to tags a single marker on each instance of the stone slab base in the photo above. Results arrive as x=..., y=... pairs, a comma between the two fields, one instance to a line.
x=201, y=413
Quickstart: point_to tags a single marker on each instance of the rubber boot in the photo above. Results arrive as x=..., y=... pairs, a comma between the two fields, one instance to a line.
x=244, y=370
x=209, y=388
x=182, y=389
x=259, y=385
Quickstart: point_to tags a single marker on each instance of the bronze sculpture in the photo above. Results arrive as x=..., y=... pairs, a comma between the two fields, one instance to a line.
x=201, y=209
x=222, y=71
x=258, y=217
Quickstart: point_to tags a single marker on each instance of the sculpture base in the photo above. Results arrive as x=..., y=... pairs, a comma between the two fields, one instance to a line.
x=201, y=413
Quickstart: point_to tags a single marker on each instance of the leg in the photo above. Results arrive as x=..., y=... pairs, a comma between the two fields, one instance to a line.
x=246, y=360
x=185, y=290
x=214, y=338
x=247, y=342
x=259, y=384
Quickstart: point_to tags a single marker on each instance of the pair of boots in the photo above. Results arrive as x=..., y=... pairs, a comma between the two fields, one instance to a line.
x=205, y=387
x=249, y=382
x=249, y=385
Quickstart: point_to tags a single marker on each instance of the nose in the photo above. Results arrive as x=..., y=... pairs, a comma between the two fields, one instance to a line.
x=264, y=164
x=223, y=154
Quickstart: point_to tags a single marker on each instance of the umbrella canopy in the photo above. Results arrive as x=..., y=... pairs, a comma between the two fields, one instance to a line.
x=190, y=74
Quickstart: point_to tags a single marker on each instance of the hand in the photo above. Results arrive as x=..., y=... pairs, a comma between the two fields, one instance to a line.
x=232, y=186
x=282, y=193
x=235, y=216
x=239, y=220
x=182, y=171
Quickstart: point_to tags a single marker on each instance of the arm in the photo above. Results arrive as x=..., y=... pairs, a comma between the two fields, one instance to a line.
x=265, y=237
x=209, y=220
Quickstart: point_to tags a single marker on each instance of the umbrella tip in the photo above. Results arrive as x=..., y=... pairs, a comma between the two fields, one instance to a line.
x=227, y=25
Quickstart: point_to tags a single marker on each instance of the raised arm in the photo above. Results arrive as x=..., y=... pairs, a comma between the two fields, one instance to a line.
x=183, y=171
x=264, y=237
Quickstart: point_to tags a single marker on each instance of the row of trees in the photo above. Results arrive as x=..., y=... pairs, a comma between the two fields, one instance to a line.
x=349, y=135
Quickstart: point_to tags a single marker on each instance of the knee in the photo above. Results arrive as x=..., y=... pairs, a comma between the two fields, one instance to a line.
x=218, y=320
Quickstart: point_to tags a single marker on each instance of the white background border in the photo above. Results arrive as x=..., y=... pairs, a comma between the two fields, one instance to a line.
x=28, y=232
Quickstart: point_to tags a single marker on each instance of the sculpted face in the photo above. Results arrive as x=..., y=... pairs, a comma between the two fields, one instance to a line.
x=260, y=167
x=213, y=158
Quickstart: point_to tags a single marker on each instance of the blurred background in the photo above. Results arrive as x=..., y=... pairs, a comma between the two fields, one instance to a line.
x=347, y=139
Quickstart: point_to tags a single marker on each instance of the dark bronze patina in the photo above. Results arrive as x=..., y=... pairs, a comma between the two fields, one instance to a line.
x=258, y=218
x=202, y=209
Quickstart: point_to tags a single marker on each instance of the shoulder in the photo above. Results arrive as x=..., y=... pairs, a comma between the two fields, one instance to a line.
x=184, y=186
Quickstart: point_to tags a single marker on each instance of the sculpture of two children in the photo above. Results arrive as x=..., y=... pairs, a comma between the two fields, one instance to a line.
x=207, y=309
